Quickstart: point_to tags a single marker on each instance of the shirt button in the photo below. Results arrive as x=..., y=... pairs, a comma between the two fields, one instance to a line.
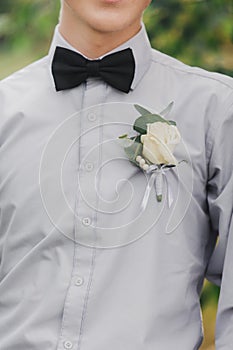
x=68, y=344
x=89, y=166
x=91, y=117
x=86, y=221
x=79, y=281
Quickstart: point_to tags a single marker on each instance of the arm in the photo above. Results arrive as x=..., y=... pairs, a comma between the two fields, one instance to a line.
x=220, y=201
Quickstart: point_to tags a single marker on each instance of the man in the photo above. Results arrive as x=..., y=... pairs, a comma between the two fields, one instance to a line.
x=89, y=260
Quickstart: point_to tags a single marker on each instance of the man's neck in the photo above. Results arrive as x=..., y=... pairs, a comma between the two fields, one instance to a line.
x=91, y=43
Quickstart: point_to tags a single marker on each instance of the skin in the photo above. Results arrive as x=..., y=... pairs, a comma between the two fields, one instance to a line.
x=95, y=27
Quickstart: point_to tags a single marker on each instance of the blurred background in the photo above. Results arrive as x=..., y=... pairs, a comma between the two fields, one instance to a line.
x=198, y=32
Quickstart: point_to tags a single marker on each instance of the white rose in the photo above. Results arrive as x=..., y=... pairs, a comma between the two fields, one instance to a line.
x=159, y=143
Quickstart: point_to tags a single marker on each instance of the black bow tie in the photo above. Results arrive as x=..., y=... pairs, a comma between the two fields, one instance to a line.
x=70, y=69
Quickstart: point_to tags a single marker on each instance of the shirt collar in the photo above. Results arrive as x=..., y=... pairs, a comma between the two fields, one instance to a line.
x=139, y=44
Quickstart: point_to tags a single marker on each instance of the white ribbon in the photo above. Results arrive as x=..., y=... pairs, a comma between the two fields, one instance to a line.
x=157, y=175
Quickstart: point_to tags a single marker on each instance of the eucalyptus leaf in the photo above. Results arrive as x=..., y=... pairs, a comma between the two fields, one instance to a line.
x=140, y=124
x=125, y=142
x=167, y=109
x=142, y=110
x=123, y=136
x=136, y=139
x=172, y=122
x=133, y=151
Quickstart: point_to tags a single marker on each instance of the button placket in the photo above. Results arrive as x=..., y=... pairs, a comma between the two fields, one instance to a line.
x=89, y=155
x=75, y=306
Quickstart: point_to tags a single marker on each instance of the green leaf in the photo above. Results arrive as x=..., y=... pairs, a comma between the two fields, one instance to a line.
x=133, y=151
x=123, y=136
x=147, y=117
x=140, y=124
x=136, y=138
x=167, y=109
x=142, y=110
x=172, y=122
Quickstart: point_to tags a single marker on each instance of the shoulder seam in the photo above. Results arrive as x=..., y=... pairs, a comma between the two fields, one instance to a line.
x=192, y=73
x=43, y=61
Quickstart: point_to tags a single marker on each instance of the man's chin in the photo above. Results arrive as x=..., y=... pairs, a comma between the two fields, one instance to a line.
x=107, y=26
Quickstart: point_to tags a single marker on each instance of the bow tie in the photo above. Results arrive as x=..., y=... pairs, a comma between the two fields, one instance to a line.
x=70, y=69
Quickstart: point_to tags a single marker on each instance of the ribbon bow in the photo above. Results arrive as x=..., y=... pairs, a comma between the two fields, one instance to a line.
x=157, y=175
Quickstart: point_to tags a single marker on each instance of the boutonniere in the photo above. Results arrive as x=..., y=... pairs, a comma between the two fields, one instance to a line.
x=152, y=148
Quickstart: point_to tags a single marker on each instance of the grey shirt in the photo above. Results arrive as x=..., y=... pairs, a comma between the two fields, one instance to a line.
x=82, y=266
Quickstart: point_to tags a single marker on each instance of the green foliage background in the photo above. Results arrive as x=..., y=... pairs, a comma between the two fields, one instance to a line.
x=198, y=32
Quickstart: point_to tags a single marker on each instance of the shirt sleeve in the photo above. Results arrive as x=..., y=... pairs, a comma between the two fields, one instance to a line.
x=220, y=202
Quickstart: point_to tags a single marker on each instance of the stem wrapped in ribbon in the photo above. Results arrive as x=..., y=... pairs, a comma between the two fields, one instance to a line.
x=157, y=177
